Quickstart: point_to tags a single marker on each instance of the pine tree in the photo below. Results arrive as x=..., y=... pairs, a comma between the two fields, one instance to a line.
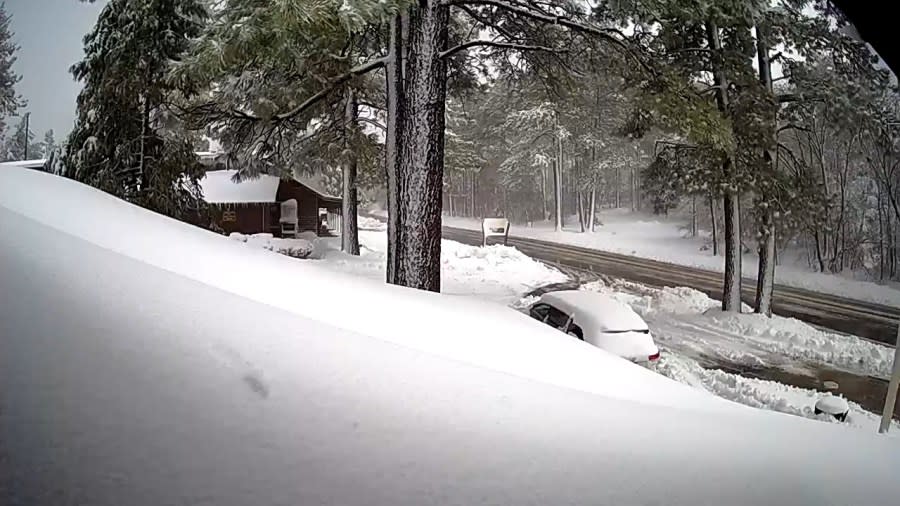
x=296, y=74
x=725, y=39
x=20, y=143
x=9, y=100
x=312, y=43
x=473, y=148
x=126, y=140
x=49, y=144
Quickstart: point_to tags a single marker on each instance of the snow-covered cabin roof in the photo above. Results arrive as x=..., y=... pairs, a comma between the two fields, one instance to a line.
x=314, y=183
x=597, y=311
x=28, y=164
x=219, y=187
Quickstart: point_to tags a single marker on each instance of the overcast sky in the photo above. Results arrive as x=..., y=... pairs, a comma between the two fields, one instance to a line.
x=49, y=33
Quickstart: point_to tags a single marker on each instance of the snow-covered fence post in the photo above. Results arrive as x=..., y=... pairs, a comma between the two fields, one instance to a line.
x=891, y=400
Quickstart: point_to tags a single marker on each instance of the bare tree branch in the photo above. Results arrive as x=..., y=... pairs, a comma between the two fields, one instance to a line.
x=479, y=18
x=335, y=83
x=786, y=98
x=376, y=124
x=214, y=114
x=792, y=126
x=609, y=34
x=499, y=45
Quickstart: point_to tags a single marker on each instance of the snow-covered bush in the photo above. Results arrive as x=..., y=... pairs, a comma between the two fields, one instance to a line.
x=295, y=248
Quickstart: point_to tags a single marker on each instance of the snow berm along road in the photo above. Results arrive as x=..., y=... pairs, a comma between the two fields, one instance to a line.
x=197, y=372
x=873, y=321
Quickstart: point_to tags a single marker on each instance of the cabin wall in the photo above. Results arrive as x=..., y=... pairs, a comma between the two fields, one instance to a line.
x=307, y=204
x=264, y=217
x=242, y=218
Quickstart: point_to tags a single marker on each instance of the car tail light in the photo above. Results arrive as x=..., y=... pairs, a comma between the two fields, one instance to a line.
x=653, y=357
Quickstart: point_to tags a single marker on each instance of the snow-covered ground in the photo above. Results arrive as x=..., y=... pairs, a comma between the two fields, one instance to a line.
x=685, y=322
x=145, y=361
x=497, y=273
x=692, y=322
x=690, y=328
x=297, y=248
x=763, y=394
x=667, y=240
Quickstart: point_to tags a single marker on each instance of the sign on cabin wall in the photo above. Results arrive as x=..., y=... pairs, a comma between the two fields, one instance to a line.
x=229, y=216
x=494, y=227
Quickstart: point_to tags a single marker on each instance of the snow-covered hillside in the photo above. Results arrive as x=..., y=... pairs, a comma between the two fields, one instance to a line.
x=145, y=361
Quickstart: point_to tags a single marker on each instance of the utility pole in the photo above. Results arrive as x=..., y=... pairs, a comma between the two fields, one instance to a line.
x=891, y=400
x=27, y=117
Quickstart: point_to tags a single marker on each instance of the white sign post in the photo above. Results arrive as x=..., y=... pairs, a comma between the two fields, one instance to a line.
x=891, y=399
x=494, y=227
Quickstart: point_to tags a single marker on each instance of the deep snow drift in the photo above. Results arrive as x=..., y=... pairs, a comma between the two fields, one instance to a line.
x=144, y=361
x=666, y=240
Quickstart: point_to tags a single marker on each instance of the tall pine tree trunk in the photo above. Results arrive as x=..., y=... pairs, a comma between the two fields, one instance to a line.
x=731, y=296
x=693, y=216
x=544, y=208
x=731, y=292
x=557, y=196
x=142, y=164
x=349, y=225
x=881, y=253
x=472, y=195
x=819, y=258
x=715, y=226
x=891, y=249
x=558, y=182
x=582, y=215
x=421, y=151
x=395, y=89
x=765, y=277
x=592, y=217
x=634, y=192
x=618, y=193
x=447, y=194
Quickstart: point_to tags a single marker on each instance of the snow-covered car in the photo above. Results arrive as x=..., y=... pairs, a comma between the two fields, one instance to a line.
x=598, y=320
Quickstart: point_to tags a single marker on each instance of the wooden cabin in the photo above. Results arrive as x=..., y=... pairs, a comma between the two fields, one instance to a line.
x=254, y=206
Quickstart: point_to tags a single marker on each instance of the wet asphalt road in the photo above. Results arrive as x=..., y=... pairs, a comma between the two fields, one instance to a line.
x=872, y=321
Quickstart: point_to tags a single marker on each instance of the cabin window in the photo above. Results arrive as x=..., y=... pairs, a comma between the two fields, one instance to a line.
x=229, y=216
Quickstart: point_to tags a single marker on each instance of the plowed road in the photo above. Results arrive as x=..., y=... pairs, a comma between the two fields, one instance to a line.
x=873, y=321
